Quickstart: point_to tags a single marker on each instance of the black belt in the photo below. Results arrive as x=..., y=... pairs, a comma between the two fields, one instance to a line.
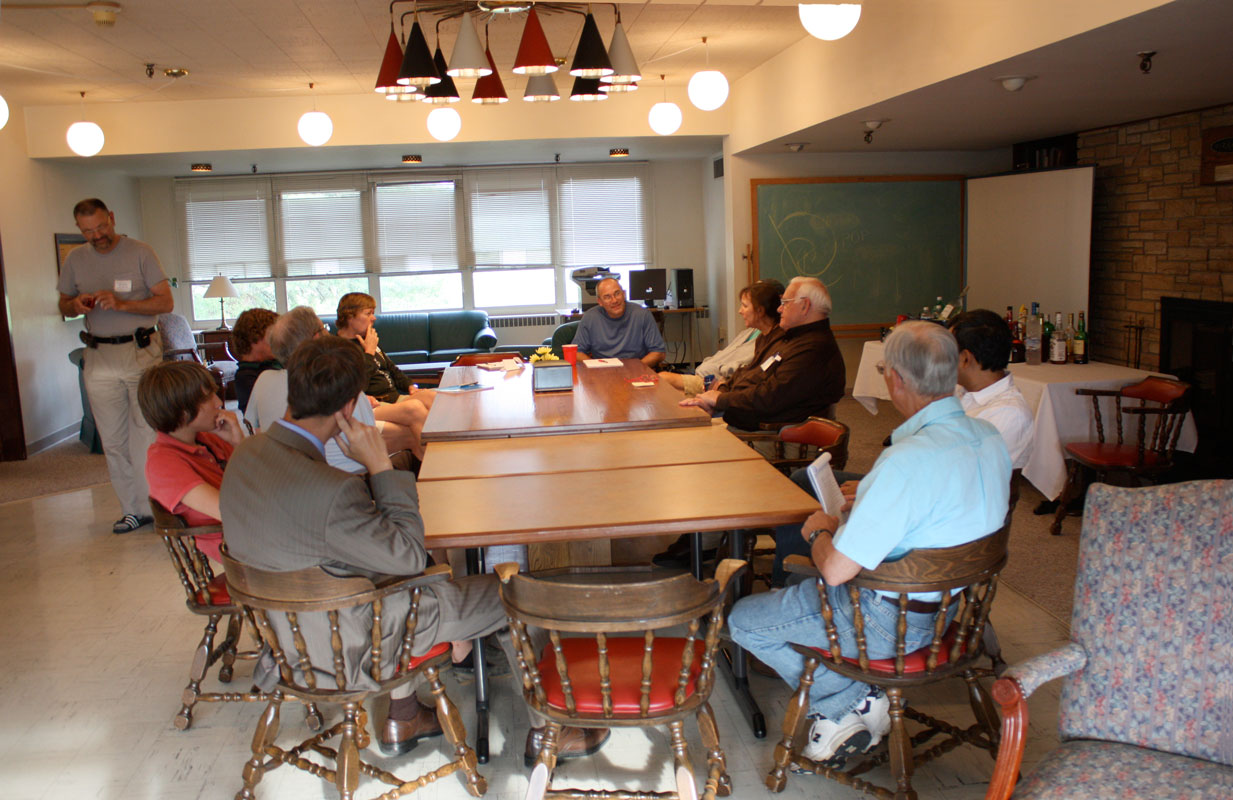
x=141, y=334
x=915, y=606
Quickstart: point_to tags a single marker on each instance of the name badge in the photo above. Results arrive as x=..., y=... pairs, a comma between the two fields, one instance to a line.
x=770, y=362
x=123, y=286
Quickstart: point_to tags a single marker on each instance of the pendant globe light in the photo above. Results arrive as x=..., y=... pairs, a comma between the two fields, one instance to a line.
x=590, y=59
x=418, y=68
x=708, y=88
x=665, y=118
x=625, y=72
x=4, y=113
x=586, y=90
x=541, y=89
x=84, y=138
x=315, y=127
x=467, y=60
x=444, y=124
x=534, y=55
x=489, y=90
x=829, y=21
x=445, y=91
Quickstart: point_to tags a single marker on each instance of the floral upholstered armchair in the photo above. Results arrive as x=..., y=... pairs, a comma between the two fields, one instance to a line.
x=1147, y=708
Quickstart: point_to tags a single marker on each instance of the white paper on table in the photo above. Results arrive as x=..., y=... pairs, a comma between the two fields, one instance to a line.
x=822, y=478
x=602, y=362
x=507, y=365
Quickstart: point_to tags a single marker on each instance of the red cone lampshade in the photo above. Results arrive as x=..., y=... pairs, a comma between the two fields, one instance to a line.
x=534, y=55
x=489, y=89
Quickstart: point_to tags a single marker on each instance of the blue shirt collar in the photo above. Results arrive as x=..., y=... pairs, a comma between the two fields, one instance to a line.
x=310, y=437
x=938, y=409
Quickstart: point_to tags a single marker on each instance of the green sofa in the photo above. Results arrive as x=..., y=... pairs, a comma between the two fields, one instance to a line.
x=417, y=338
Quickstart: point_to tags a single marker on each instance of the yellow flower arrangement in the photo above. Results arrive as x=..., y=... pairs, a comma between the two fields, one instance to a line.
x=544, y=354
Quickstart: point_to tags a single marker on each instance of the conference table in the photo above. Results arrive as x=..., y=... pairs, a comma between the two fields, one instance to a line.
x=1061, y=416
x=628, y=467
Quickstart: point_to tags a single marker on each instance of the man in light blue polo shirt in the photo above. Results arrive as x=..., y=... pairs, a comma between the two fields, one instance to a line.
x=616, y=329
x=944, y=481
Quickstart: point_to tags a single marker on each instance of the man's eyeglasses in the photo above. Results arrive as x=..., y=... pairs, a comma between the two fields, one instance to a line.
x=789, y=301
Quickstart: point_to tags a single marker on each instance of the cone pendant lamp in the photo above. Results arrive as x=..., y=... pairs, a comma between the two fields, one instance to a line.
x=418, y=68
x=534, y=55
x=489, y=90
x=467, y=60
x=445, y=91
x=590, y=59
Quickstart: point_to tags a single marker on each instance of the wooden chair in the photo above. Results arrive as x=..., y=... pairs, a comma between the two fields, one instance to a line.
x=180, y=345
x=472, y=359
x=205, y=594
x=1145, y=711
x=789, y=447
x=288, y=608
x=967, y=577
x=590, y=675
x=1148, y=457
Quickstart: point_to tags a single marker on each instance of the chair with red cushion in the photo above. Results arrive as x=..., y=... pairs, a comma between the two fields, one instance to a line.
x=1151, y=453
x=967, y=576
x=205, y=594
x=789, y=447
x=608, y=665
x=343, y=641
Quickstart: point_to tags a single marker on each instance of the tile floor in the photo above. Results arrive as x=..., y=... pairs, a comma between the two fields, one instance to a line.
x=95, y=648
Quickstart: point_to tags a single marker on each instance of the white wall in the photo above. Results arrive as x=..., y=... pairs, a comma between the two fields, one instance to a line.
x=36, y=203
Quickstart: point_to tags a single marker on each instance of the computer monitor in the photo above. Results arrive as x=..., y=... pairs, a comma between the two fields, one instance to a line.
x=648, y=285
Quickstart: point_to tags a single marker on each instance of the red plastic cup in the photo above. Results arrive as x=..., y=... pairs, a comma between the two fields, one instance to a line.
x=570, y=353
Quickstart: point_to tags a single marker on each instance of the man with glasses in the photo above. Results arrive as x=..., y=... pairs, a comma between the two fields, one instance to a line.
x=616, y=329
x=120, y=287
x=793, y=376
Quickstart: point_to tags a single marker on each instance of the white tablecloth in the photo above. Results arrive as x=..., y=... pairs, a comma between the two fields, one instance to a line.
x=1061, y=415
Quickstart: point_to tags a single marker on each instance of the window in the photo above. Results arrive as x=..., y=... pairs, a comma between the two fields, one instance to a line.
x=504, y=239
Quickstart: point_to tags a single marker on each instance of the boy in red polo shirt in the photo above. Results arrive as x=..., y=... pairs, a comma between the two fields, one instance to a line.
x=195, y=437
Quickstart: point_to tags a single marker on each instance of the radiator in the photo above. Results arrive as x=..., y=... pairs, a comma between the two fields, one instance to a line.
x=525, y=321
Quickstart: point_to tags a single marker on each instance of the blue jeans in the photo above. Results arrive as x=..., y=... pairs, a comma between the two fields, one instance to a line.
x=788, y=539
x=765, y=624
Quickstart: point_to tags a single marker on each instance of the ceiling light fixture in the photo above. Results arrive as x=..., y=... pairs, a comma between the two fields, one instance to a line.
x=489, y=90
x=444, y=124
x=391, y=62
x=534, y=55
x=413, y=159
x=444, y=91
x=202, y=167
x=4, y=113
x=664, y=118
x=618, y=152
x=541, y=89
x=586, y=90
x=590, y=59
x=467, y=60
x=418, y=67
x=872, y=125
x=829, y=21
x=708, y=88
x=84, y=138
x=625, y=72
x=796, y=147
x=176, y=72
x=315, y=127
x=104, y=12
x=1013, y=83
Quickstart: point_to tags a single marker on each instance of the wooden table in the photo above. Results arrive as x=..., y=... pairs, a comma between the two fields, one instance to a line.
x=603, y=399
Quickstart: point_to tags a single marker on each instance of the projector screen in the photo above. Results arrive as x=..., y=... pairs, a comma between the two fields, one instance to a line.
x=1030, y=238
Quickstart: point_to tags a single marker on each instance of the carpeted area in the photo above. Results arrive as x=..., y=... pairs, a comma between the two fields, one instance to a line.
x=66, y=466
x=1041, y=566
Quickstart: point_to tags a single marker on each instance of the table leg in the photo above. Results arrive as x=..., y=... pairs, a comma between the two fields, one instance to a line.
x=734, y=655
x=695, y=554
x=475, y=566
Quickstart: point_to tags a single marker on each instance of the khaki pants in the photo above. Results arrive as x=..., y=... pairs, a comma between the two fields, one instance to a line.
x=111, y=373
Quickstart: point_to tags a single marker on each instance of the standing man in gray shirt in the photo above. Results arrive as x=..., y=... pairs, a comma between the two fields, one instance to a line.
x=120, y=287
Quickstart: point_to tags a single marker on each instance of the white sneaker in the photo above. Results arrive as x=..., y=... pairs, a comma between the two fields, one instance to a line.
x=875, y=713
x=831, y=741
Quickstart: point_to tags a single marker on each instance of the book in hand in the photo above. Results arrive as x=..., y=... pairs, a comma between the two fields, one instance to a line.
x=462, y=388
x=602, y=362
x=825, y=487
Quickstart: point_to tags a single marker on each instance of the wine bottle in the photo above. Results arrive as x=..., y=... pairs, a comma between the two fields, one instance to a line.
x=1058, y=346
x=1046, y=337
x=1079, y=345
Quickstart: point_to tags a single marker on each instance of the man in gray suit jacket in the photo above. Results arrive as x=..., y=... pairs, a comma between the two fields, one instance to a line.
x=284, y=508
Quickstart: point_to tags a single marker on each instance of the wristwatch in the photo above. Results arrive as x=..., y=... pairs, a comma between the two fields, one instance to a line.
x=815, y=533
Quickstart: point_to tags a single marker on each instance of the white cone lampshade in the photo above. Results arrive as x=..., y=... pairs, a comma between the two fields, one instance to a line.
x=85, y=138
x=467, y=60
x=541, y=89
x=624, y=65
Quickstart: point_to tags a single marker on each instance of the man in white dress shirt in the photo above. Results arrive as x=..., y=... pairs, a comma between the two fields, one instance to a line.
x=989, y=390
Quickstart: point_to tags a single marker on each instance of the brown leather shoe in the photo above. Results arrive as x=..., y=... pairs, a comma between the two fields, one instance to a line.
x=399, y=736
x=572, y=743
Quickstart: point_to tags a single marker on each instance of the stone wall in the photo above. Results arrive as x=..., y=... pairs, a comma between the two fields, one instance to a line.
x=1156, y=232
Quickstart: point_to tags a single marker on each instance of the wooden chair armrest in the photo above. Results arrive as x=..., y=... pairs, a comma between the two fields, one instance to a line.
x=198, y=530
x=1149, y=410
x=727, y=569
x=434, y=574
x=1099, y=392
x=754, y=436
x=801, y=565
x=506, y=570
x=183, y=351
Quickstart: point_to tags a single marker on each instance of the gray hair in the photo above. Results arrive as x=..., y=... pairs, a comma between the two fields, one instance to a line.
x=293, y=329
x=926, y=357
x=815, y=290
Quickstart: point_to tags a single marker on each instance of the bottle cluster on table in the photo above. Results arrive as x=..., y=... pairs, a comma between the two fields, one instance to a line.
x=1037, y=340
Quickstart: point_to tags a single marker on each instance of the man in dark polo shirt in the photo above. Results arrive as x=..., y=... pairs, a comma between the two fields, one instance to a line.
x=793, y=376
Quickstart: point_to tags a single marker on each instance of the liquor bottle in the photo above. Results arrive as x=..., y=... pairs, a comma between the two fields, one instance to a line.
x=937, y=310
x=924, y=313
x=1046, y=337
x=1010, y=319
x=1058, y=346
x=1079, y=345
x=1032, y=340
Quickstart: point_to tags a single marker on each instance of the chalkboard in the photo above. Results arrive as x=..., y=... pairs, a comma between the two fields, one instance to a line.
x=882, y=245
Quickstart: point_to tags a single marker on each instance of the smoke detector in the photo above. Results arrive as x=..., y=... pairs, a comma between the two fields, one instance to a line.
x=104, y=12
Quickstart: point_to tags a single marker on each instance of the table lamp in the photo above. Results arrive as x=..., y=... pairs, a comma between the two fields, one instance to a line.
x=222, y=288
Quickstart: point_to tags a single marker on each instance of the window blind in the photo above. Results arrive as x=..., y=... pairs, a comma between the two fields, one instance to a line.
x=225, y=227
x=604, y=217
x=510, y=217
x=417, y=226
x=321, y=222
